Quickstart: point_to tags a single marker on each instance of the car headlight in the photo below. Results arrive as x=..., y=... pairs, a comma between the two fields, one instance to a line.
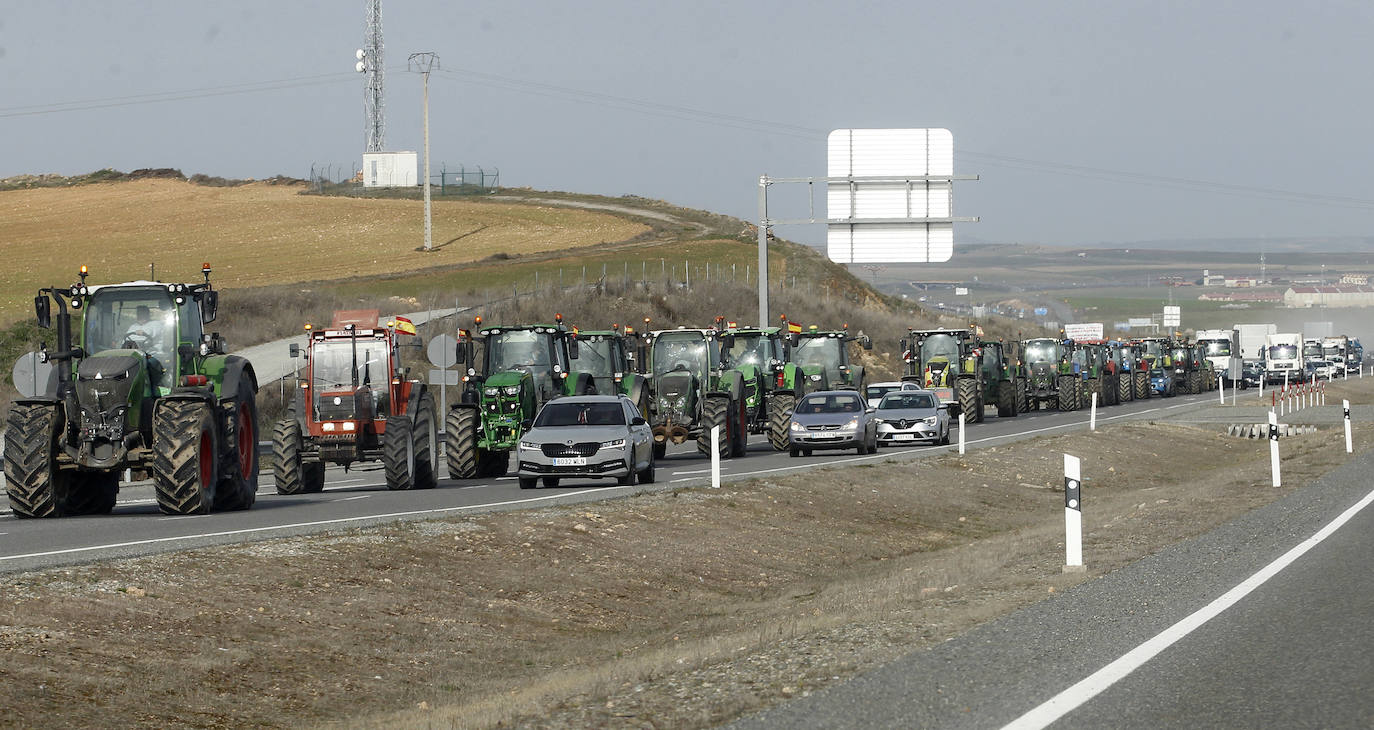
x=932, y=420
x=616, y=444
x=528, y=446
x=853, y=424
x=879, y=421
x=511, y=390
x=492, y=390
x=797, y=426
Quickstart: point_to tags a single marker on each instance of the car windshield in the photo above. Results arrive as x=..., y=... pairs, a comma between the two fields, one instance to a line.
x=581, y=414
x=899, y=400
x=841, y=403
x=753, y=349
x=876, y=392
x=826, y=352
x=595, y=357
x=331, y=363
x=513, y=349
x=680, y=351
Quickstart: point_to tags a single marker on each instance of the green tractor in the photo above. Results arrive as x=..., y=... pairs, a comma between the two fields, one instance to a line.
x=947, y=362
x=1191, y=368
x=1003, y=386
x=1157, y=354
x=522, y=367
x=141, y=387
x=1049, y=371
x=1092, y=363
x=608, y=356
x=824, y=359
x=772, y=383
x=691, y=390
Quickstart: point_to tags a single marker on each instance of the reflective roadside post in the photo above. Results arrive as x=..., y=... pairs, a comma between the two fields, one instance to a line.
x=1073, y=516
x=1274, y=448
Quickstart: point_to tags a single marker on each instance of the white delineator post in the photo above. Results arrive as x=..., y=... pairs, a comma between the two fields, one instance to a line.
x=715, y=457
x=1221, y=390
x=961, y=432
x=1274, y=448
x=1073, y=516
x=1092, y=415
x=1349, y=445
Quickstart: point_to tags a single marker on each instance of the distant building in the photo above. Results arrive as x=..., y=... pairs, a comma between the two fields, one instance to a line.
x=1210, y=279
x=1241, y=282
x=1329, y=296
x=1355, y=279
x=1255, y=297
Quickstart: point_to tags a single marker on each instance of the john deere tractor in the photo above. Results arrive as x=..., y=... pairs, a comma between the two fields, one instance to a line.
x=519, y=369
x=357, y=403
x=608, y=356
x=1097, y=371
x=1157, y=355
x=1192, y=370
x=823, y=357
x=691, y=390
x=141, y=386
x=947, y=361
x=1051, y=379
x=772, y=383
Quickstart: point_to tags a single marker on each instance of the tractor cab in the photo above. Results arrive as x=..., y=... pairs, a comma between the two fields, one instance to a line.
x=938, y=359
x=823, y=357
x=609, y=358
x=147, y=321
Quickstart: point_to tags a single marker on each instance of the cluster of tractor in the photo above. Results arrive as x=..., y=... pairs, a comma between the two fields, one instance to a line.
x=969, y=372
x=141, y=387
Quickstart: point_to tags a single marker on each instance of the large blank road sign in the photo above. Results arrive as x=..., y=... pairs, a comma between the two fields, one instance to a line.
x=896, y=203
x=1173, y=316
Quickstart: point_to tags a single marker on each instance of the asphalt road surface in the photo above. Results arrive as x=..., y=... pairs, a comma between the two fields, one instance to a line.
x=359, y=497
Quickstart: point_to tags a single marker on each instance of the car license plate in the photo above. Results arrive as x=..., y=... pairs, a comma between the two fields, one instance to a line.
x=904, y=436
x=570, y=461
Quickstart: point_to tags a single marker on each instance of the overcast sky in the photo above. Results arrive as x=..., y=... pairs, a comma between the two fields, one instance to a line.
x=1089, y=122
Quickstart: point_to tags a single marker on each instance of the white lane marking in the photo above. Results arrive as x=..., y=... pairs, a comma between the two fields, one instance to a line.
x=178, y=517
x=1073, y=697
x=317, y=523
x=350, y=499
x=693, y=471
x=506, y=479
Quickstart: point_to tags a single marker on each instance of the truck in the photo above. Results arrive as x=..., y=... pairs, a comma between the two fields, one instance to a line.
x=141, y=386
x=1222, y=349
x=1251, y=340
x=357, y=403
x=1337, y=350
x=1283, y=361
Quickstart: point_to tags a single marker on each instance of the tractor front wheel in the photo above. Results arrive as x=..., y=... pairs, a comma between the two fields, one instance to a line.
x=1067, y=391
x=185, y=457
x=399, y=455
x=1006, y=399
x=426, y=434
x=967, y=393
x=780, y=408
x=715, y=412
x=460, y=443
x=35, y=486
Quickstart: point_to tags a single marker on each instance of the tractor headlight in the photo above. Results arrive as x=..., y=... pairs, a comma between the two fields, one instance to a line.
x=616, y=444
x=511, y=390
x=491, y=391
x=327, y=427
x=349, y=426
x=816, y=377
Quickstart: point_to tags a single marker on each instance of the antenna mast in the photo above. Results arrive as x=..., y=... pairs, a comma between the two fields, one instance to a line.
x=371, y=61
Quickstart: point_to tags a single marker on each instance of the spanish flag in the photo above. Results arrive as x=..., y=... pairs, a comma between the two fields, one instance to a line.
x=793, y=328
x=405, y=325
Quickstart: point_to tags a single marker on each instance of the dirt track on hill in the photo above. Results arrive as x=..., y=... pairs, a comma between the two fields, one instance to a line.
x=672, y=609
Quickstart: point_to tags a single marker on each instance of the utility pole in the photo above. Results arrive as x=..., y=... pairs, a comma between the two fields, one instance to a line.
x=424, y=63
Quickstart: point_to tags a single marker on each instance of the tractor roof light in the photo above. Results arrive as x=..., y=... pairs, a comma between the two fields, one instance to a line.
x=308, y=327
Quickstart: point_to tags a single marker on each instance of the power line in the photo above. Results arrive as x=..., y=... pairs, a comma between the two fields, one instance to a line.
x=179, y=95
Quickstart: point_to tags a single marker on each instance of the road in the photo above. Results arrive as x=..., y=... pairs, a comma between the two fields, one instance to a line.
x=359, y=497
x=1260, y=623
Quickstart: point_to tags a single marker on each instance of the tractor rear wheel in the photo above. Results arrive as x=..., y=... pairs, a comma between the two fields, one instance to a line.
x=287, y=470
x=715, y=412
x=460, y=443
x=1023, y=401
x=35, y=486
x=426, y=444
x=239, y=488
x=399, y=455
x=1125, y=387
x=1066, y=393
x=780, y=408
x=185, y=457
x=1142, y=384
x=1006, y=399
x=966, y=390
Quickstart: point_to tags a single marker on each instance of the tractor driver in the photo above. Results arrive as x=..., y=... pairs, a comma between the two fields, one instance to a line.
x=145, y=333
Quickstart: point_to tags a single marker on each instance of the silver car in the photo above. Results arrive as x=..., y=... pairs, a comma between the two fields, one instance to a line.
x=875, y=391
x=587, y=436
x=907, y=416
x=832, y=419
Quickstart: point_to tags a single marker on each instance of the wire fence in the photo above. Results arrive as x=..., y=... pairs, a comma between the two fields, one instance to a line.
x=347, y=177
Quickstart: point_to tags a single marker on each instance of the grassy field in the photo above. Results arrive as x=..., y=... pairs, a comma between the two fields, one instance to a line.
x=262, y=234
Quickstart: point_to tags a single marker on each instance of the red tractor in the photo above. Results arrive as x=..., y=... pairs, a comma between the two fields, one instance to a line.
x=356, y=403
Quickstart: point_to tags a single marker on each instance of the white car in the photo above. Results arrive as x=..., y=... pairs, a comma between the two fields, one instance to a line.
x=875, y=391
x=906, y=416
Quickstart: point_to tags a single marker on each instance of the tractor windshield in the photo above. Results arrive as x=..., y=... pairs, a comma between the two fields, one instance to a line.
x=520, y=350
x=936, y=347
x=825, y=352
x=1152, y=348
x=680, y=351
x=752, y=349
x=1038, y=351
x=597, y=357
x=139, y=318
x=331, y=364
x=1181, y=354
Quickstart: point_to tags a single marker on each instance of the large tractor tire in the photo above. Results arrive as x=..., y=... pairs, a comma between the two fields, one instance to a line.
x=1023, y=399
x=185, y=457
x=715, y=412
x=399, y=455
x=1067, y=391
x=36, y=487
x=1110, y=389
x=1195, y=384
x=1142, y=384
x=1006, y=399
x=966, y=391
x=426, y=435
x=292, y=475
x=780, y=407
x=1125, y=387
x=460, y=443
x=239, y=488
